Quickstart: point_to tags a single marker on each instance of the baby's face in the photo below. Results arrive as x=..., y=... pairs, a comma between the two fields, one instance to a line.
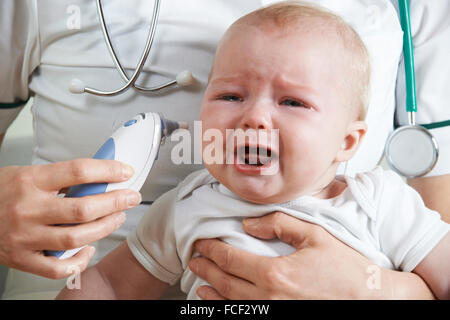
x=293, y=83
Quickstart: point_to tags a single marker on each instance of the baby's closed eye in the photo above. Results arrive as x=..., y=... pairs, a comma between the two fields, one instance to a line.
x=230, y=98
x=294, y=103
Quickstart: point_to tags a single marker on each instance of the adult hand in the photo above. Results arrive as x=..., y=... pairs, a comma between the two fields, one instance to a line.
x=30, y=209
x=321, y=268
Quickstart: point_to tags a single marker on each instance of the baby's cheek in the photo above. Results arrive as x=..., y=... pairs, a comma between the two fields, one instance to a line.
x=209, y=116
x=204, y=113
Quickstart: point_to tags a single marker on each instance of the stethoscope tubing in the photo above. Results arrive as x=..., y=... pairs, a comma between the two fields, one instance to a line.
x=130, y=82
x=408, y=57
x=410, y=77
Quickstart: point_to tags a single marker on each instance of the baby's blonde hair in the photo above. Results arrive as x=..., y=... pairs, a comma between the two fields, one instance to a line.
x=289, y=14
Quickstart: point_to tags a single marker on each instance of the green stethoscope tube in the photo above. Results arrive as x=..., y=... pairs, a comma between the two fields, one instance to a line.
x=408, y=56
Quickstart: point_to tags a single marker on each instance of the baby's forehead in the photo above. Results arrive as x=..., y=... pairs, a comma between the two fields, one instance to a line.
x=315, y=44
x=321, y=29
x=323, y=44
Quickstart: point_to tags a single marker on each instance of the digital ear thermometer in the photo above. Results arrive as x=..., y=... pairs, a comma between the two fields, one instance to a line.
x=135, y=143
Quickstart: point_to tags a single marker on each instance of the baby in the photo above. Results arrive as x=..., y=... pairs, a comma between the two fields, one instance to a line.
x=302, y=72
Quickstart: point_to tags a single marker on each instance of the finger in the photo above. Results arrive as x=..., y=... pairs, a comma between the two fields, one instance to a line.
x=288, y=229
x=208, y=293
x=88, y=208
x=55, y=176
x=231, y=260
x=70, y=237
x=226, y=285
x=54, y=268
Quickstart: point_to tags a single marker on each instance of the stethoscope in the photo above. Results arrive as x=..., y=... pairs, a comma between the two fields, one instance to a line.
x=411, y=150
x=184, y=78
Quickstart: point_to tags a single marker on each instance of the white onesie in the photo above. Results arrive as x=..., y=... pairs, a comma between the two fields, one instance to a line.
x=377, y=214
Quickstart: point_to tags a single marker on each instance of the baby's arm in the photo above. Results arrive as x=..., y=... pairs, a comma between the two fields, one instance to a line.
x=117, y=276
x=435, y=269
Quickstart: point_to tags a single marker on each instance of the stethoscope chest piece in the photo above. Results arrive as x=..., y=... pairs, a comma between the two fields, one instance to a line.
x=411, y=151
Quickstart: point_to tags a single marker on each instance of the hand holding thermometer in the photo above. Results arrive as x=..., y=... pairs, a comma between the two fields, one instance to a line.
x=135, y=143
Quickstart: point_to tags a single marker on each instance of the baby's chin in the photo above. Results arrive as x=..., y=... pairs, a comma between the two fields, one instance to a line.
x=260, y=192
x=260, y=189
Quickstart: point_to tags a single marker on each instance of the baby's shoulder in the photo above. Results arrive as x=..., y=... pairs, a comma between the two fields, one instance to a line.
x=192, y=182
x=372, y=187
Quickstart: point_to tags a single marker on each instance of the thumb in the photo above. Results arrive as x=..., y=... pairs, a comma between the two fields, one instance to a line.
x=279, y=225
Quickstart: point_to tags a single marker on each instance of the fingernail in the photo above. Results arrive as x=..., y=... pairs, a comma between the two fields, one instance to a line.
x=133, y=199
x=251, y=222
x=193, y=265
x=127, y=172
x=201, y=292
x=91, y=252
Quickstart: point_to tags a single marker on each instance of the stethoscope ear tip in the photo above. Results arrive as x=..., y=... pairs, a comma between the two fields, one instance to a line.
x=185, y=78
x=76, y=86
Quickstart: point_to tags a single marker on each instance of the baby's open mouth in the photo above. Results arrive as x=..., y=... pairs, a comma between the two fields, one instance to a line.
x=257, y=156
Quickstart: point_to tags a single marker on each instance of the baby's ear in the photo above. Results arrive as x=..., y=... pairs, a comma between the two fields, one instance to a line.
x=355, y=133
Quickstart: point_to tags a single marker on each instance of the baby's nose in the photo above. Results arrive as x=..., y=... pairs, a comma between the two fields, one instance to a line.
x=257, y=116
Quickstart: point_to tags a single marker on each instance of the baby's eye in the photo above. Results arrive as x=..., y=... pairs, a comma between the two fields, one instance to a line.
x=294, y=103
x=230, y=98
